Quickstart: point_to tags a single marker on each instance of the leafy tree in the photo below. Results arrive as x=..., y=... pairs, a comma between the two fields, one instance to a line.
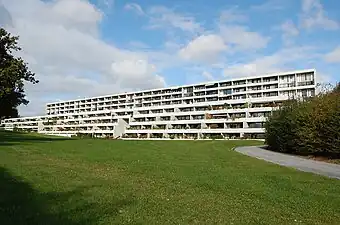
x=13, y=73
x=311, y=126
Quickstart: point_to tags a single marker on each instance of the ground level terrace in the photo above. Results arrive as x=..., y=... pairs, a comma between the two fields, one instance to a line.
x=254, y=133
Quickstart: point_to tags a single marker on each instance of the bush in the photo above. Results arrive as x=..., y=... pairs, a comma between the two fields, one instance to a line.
x=84, y=135
x=215, y=136
x=246, y=136
x=311, y=126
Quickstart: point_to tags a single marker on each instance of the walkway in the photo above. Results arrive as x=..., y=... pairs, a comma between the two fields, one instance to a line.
x=307, y=165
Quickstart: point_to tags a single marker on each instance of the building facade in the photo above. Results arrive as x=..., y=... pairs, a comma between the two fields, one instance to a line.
x=219, y=109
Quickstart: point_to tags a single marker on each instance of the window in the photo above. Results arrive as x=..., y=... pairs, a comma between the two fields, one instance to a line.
x=227, y=92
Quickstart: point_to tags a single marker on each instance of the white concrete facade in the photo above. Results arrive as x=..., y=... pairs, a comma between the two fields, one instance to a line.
x=218, y=109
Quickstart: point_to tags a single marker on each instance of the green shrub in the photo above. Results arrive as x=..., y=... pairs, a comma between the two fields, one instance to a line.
x=215, y=136
x=311, y=126
x=84, y=135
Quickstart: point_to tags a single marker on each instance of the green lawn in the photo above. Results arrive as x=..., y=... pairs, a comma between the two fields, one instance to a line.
x=77, y=182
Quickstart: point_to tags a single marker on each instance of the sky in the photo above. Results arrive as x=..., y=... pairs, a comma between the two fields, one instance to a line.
x=84, y=48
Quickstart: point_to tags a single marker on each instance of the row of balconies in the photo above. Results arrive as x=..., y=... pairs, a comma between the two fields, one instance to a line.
x=216, y=125
x=187, y=128
x=74, y=132
x=188, y=136
x=174, y=133
x=193, y=120
x=92, y=123
x=213, y=99
x=167, y=110
x=195, y=131
x=176, y=102
x=28, y=122
x=198, y=92
x=303, y=79
x=254, y=105
x=191, y=117
x=210, y=108
x=213, y=126
x=146, y=100
x=179, y=116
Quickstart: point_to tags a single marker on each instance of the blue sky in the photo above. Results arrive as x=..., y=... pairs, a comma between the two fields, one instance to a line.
x=81, y=48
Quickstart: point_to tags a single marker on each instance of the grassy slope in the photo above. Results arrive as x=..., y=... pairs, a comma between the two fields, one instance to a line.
x=57, y=181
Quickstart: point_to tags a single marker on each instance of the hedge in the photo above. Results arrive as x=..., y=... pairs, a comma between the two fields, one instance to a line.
x=311, y=126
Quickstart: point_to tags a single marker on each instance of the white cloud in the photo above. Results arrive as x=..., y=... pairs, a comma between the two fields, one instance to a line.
x=204, y=48
x=241, y=38
x=163, y=17
x=60, y=42
x=171, y=45
x=135, y=7
x=253, y=68
x=207, y=75
x=107, y=4
x=282, y=60
x=138, y=71
x=75, y=10
x=230, y=38
x=269, y=5
x=5, y=16
x=70, y=14
x=323, y=78
x=57, y=87
x=289, y=30
x=333, y=56
x=313, y=16
x=231, y=15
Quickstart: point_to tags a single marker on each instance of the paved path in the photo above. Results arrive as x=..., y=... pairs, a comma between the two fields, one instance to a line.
x=307, y=165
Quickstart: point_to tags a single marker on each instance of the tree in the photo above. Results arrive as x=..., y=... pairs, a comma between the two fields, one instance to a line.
x=13, y=73
x=311, y=126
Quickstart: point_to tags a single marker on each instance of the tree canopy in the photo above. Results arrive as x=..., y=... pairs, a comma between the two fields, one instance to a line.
x=307, y=127
x=13, y=74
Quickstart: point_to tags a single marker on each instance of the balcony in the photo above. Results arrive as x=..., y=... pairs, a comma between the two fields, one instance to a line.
x=242, y=82
x=270, y=79
x=211, y=86
x=211, y=92
x=305, y=83
x=201, y=87
x=165, y=118
x=225, y=84
x=254, y=81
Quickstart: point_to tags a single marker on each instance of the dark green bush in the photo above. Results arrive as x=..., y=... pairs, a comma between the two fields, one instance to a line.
x=311, y=126
x=215, y=136
x=84, y=135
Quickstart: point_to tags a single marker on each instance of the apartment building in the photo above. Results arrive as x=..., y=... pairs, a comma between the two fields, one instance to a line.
x=226, y=109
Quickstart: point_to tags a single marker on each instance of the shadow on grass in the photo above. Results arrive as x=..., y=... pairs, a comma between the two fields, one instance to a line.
x=11, y=138
x=21, y=204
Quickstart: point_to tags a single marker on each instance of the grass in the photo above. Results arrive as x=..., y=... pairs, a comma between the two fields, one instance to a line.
x=69, y=181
